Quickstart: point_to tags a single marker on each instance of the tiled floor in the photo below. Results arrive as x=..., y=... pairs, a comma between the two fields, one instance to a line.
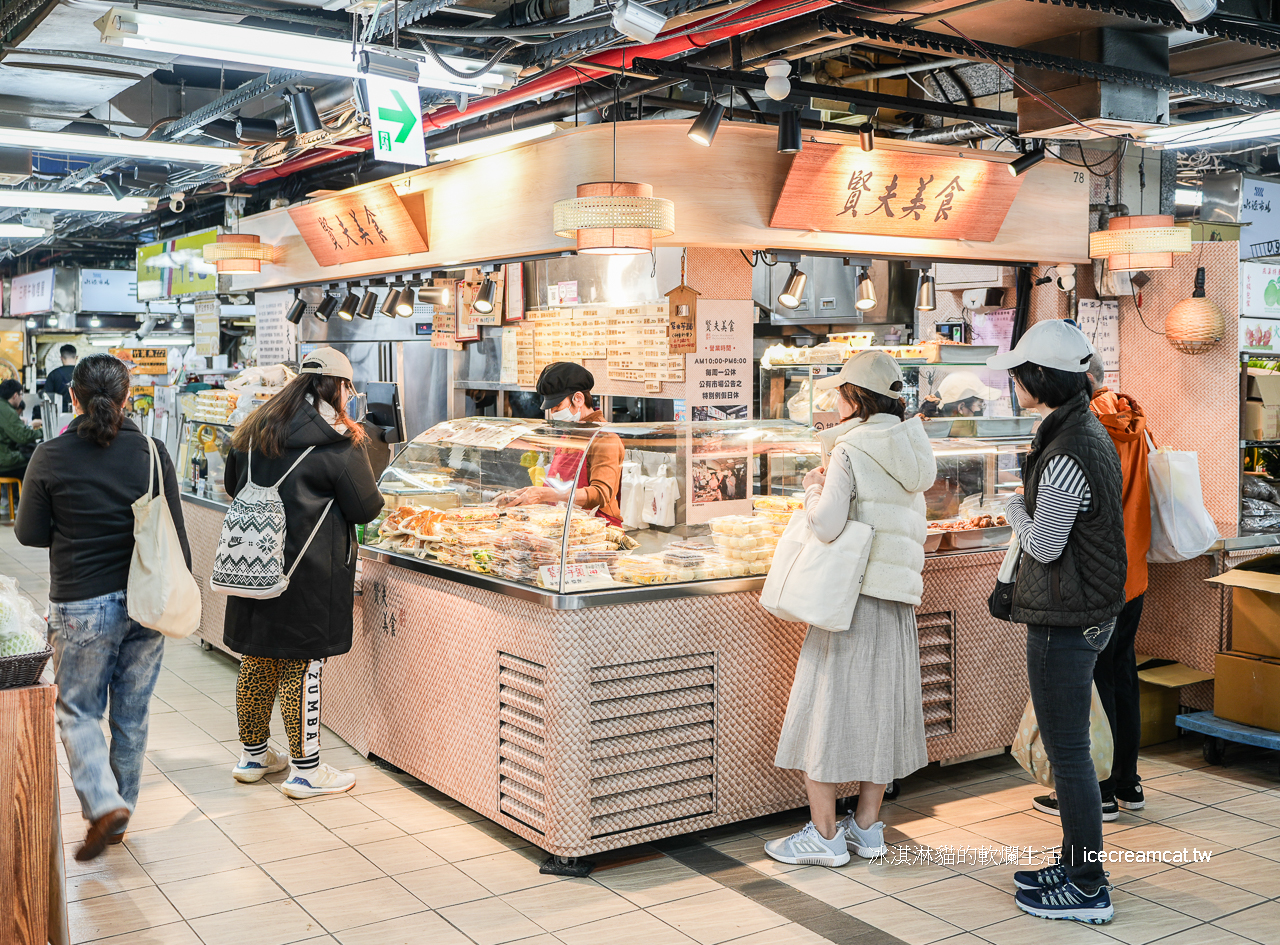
x=208, y=860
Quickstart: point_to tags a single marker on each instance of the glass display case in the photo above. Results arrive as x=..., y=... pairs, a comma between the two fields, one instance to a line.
x=698, y=502
x=202, y=453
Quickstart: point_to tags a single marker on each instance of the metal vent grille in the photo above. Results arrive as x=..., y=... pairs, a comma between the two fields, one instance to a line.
x=521, y=740
x=937, y=671
x=652, y=737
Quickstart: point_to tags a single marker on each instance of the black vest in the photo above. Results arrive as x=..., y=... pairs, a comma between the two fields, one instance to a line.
x=1086, y=585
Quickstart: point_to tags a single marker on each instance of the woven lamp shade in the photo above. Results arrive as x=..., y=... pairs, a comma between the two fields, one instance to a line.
x=1143, y=242
x=614, y=218
x=1195, y=325
x=238, y=252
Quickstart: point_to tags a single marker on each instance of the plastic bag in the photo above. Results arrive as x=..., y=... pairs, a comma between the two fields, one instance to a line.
x=1181, y=528
x=1028, y=747
x=22, y=630
x=824, y=401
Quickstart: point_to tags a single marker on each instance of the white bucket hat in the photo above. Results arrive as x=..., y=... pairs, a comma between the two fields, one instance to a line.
x=1051, y=344
x=873, y=370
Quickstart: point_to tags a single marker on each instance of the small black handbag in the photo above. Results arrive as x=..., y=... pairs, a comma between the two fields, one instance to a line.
x=1000, y=603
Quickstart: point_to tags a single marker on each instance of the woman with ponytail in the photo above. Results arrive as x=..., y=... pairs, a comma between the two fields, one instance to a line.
x=77, y=501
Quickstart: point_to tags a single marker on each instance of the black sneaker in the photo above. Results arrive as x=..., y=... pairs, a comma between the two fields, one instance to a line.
x=1048, y=804
x=1131, y=798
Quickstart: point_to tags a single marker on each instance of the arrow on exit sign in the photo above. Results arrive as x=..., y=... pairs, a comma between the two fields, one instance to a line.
x=395, y=114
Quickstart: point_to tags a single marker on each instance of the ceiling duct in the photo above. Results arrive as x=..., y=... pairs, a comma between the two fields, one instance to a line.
x=1103, y=106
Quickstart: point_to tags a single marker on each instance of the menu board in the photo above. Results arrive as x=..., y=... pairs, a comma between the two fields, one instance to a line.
x=150, y=361
x=276, y=337
x=208, y=335
x=719, y=373
x=1100, y=321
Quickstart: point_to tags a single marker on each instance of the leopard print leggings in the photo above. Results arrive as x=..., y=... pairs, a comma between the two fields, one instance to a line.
x=298, y=684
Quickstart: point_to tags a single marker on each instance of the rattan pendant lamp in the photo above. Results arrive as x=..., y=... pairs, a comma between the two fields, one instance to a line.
x=1195, y=325
x=1141, y=242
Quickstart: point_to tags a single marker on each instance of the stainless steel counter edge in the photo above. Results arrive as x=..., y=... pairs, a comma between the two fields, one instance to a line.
x=215, y=504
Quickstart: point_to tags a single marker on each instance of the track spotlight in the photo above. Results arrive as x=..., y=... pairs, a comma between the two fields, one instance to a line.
x=294, y=315
x=350, y=305
x=867, y=136
x=150, y=174
x=1023, y=164
x=866, y=291
x=792, y=293
x=52, y=321
x=221, y=129
x=405, y=302
x=636, y=21
x=485, y=297
x=436, y=295
x=925, y=300
x=388, y=306
x=368, y=304
x=113, y=184
x=704, y=127
x=95, y=322
x=328, y=305
x=256, y=129
x=303, y=109
x=789, y=140
x=32, y=323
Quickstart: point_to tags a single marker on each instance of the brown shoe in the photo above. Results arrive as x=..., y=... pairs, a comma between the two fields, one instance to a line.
x=116, y=839
x=100, y=832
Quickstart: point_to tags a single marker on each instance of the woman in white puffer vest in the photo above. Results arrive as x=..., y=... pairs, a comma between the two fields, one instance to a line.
x=855, y=709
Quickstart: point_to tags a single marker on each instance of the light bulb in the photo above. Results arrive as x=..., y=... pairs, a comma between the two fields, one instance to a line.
x=777, y=86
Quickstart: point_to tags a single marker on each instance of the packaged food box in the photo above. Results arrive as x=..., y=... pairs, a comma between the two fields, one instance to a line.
x=740, y=524
x=682, y=558
x=777, y=503
x=467, y=514
x=781, y=518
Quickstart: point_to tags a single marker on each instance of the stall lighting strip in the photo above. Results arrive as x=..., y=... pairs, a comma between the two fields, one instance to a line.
x=20, y=231
x=62, y=143
x=492, y=144
x=88, y=203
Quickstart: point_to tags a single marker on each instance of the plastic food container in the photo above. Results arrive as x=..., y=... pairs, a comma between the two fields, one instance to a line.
x=778, y=518
x=777, y=503
x=682, y=558
x=978, y=538
x=471, y=514
x=933, y=541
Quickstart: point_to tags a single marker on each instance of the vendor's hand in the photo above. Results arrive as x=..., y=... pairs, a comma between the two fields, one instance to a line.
x=533, y=495
x=815, y=477
x=37, y=424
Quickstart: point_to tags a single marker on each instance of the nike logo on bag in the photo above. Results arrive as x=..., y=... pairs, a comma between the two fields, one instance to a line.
x=234, y=542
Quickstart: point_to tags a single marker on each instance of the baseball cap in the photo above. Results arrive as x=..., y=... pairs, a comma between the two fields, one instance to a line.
x=873, y=370
x=1052, y=344
x=559, y=379
x=965, y=384
x=328, y=361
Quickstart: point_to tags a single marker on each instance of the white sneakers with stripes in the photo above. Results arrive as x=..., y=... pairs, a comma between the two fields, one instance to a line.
x=810, y=848
x=253, y=768
x=313, y=782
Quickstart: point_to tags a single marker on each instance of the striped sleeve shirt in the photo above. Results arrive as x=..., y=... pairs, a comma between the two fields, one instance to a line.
x=1063, y=493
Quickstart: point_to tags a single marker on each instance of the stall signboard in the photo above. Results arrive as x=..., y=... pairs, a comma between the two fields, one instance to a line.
x=12, y=348
x=841, y=189
x=395, y=120
x=682, y=329
x=31, y=294
x=109, y=290
x=145, y=361
x=277, y=339
x=370, y=223
x=1260, y=290
x=719, y=373
x=586, y=574
x=1260, y=209
x=173, y=268
x=207, y=333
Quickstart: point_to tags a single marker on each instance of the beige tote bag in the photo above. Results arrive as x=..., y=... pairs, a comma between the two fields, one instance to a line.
x=162, y=594
x=1028, y=747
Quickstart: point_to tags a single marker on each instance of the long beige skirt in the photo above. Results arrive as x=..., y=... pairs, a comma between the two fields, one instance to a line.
x=855, y=712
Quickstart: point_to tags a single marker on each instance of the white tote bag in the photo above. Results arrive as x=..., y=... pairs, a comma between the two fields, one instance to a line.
x=1181, y=527
x=816, y=582
x=161, y=594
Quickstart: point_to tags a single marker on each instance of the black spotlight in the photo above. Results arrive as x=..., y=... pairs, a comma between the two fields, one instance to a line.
x=328, y=305
x=113, y=184
x=388, y=306
x=146, y=175
x=485, y=297
x=436, y=295
x=405, y=302
x=1023, y=164
x=704, y=127
x=294, y=315
x=789, y=141
x=867, y=136
x=350, y=305
x=256, y=129
x=303, y=109
x=221, y=129
x=368, y=304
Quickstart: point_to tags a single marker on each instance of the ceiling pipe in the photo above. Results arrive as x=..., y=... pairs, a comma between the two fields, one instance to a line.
x=898, y=71
x=952, y=134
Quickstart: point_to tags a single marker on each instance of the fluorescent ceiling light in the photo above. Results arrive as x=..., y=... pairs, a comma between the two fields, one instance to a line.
x=271, y=48
x=492, y=144
x=1219, y=130
x=63, y=143
x=20, y=231
x=85, y=203
x=1186, y=197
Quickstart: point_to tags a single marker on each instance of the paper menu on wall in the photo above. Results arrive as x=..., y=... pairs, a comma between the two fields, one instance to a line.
x=994, y=328
x=1100, y=321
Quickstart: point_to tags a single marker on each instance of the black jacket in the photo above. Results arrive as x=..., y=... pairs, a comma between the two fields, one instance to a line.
x=77, y=501
x=1085, y=586
x=58, y=384
x=313, y=618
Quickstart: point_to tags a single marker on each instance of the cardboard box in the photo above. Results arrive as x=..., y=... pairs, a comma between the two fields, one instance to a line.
x=1247, y=690
x=1260, y=421
x=1264, y=386
x=1255, y=606
x=1159, y=695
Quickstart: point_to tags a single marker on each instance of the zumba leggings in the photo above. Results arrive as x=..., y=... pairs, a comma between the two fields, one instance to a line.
x=298, y=684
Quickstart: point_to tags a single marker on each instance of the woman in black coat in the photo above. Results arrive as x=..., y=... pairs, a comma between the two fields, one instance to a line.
x=285, y=640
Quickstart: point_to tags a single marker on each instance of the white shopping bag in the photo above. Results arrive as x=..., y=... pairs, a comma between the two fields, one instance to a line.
x=1181, y=527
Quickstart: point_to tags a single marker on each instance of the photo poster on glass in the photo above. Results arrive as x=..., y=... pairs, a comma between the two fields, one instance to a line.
x=1259, y=334
x=1100, y=321
x=994, y=328
x=718, y=375
x=277, y=339
x=719, y=475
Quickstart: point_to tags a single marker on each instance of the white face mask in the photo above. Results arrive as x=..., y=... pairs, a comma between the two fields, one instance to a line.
x=564, y=416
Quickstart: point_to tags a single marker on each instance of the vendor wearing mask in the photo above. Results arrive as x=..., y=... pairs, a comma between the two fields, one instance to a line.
x=961, y=394
x=565, y=388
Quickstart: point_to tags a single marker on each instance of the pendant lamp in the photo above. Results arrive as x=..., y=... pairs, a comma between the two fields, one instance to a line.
x=1141, y=242
x=238, y=252
x=1195, y=325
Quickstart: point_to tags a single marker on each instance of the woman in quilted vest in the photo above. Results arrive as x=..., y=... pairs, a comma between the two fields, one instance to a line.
x=1069, y=588
x=285, y=640
x=855, y=709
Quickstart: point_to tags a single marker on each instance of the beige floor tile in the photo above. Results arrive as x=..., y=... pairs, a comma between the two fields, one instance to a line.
x=411, y=812
x=1269, y=849
x=1162, y=805
x=166, y=812
x=157, y=788
x=750, y=852
x=360, y=904
x=964, y=938
x=490, y=922
x=372, y=832
x=789, y=934
x=1139, y=921
x=953, y=807
x=399, y=855
x=441, y=886
x=717, y=916
x=115, y=857
x=208, y=861
x=1019, y=830
x=162, y=843
x=1263, y=806
x=892, y=878
x=1160, y=837
x=903, y=921
x=509, y=871
x=650, y=882
x=963, y=842
x=633, y=928
x=276, y=923
x=1195, y=786
x=1026, y=929
x=1223, y=827
x=1193, y=894
x=832, y=886
x=1261, y=923
x=124, y=912
x=207, y=777
x=568, y=902
x=467, y=841
x=1013, y=793
x=372, y=780
x=240, y=799
x=1244, y=870
x=307, y=874
x=199, y=756
x=421, y=928
x=261, y=826
x=963, y=901
x=301, y=844
x=117, y=875
x=903, y=825
x=222, y=892
x=175, y=933
x=339, y=811
x=1206, y=935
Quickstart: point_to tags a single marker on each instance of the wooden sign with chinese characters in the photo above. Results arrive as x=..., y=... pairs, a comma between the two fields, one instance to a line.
x=444, y=324
x=842, y=189
x=682, y=331
x=363, y=224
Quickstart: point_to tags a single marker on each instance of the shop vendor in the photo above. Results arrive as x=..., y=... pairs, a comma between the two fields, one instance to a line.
x=594, y=483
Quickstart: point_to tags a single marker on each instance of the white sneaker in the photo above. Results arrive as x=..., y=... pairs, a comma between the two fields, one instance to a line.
x=868, y=843
x=253, y=768
x=810, y=848
x=322, y=779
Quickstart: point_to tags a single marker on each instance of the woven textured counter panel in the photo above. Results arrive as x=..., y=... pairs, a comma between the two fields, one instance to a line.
x=204, y=528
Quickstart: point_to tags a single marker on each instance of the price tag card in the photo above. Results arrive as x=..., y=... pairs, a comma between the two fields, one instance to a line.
x=586, y=574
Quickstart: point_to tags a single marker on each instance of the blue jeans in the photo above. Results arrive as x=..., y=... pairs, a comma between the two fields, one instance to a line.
x=1060, y=664
x=101, y=656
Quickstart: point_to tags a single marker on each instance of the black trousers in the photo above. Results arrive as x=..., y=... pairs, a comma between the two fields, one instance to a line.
x=1116, y=675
